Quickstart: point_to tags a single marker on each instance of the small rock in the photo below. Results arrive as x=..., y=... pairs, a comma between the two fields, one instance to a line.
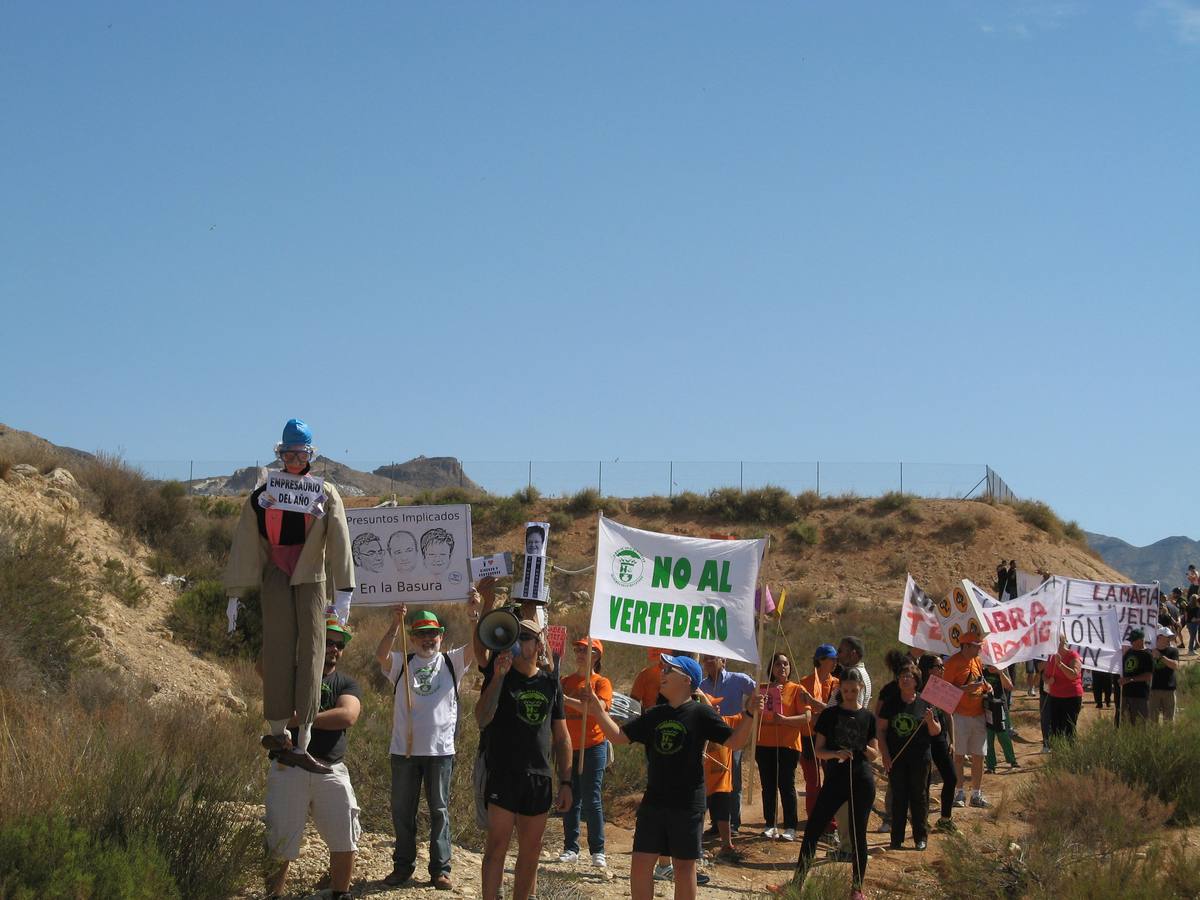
x=61, y=478
x=232, y=701
x=23, y=471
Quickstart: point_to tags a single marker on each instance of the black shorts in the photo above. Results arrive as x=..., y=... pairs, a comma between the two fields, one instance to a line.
x=525, y=795
x=668, y=832
x=719, y=805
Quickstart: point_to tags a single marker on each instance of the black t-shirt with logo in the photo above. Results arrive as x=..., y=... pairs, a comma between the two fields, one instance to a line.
x=330, y=746
x=904, y=721
x=519, y=733
x=674, y=738
x=1164, y=675
x=1134, y=663
x=846, y=729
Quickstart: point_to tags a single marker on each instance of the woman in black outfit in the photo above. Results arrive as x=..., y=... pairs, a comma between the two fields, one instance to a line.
x=939, y=748
x=846, y=742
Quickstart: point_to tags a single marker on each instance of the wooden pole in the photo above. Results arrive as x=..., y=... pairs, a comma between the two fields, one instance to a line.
x=407, y=691
x=587, y=686
x=758, y=611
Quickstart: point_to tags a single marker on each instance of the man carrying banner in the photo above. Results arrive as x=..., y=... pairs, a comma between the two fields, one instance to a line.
x=670, y=817
x=965, y=670
x=287, y=554
x=528, y=749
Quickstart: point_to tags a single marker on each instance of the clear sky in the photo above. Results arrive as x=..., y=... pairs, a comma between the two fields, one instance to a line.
x=942, y=231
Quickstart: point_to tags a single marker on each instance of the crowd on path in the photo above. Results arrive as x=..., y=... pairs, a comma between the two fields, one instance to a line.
x=545, y=741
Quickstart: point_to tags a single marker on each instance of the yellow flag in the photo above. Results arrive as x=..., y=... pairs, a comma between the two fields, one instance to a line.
x=779, y=603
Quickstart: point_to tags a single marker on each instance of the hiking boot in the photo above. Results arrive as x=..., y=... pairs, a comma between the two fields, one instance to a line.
x=977, y=799
x=442, y=882
x=664, y=872
x=277, y=742
x=945, y=825
x=701, y=878
x=832, y=838
x=398, y=876
x=960, y=798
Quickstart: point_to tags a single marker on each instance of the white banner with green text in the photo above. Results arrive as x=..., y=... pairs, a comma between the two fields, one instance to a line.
x=680, y=593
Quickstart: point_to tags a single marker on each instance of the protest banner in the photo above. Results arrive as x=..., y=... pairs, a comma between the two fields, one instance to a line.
x=410, y=554
x=1096, y=636
x=941, y=693
x=1024, y=628
x=692, y=594
x=296, y=493
x=556, y=639
x=1136, y=605
x=919, y=625
x=498, y=565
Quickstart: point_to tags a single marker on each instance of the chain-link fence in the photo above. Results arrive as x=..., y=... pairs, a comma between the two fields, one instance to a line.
x=616, y=478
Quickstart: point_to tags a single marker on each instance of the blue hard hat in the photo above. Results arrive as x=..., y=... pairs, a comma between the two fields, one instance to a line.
x=296, y=434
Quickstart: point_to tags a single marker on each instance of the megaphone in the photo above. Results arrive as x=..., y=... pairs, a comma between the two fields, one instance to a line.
x=498, y=630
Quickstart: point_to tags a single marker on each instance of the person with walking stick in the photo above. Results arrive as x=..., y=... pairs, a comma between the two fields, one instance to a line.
x=905, y=727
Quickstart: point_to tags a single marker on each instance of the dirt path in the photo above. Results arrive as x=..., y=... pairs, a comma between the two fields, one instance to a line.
x=767, y=862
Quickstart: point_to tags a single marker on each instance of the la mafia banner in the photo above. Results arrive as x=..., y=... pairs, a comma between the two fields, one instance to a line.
x=685, y=593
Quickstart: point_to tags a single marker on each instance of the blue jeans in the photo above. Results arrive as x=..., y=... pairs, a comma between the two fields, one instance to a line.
x=407, y=775
x=585, y=796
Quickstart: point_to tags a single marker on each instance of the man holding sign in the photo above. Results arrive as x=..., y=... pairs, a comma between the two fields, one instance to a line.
x=286, y=554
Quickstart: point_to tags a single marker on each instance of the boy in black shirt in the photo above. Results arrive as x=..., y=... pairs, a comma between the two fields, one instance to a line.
x=1162, y=685
x=1137, y=667
x=524, y=706
x=671, y=815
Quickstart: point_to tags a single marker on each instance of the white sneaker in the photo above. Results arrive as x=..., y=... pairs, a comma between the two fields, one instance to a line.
x=569, y=856
x=599, y=861
x=788, y=834
x=960, y=798
x=771, y=833
x=664, y=873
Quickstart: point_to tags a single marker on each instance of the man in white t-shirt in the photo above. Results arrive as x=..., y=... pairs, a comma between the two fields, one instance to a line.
x=423, y=724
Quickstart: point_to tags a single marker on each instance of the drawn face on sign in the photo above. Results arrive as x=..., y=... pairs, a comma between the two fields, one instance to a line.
x=402, y=546
x=368, y=552
x=437, y=546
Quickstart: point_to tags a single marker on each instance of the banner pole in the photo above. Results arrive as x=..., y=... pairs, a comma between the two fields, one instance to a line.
x=759, y=611
x=407, y=691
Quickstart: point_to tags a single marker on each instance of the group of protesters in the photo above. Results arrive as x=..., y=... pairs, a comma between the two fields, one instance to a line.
x=545, y=741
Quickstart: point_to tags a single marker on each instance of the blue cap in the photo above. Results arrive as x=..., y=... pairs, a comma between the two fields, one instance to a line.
x=296, y=434
x=690, y=667
x=826, y=651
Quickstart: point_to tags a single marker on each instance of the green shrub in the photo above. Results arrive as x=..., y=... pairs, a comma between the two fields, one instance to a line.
x=46, y=856
x=892, y=501
x=1092, y=813
x=43, y=598
x=688, y=503
x=855, y=532
x=527, y=496
x=559, y=521
x=585, y=501
x=122, y=582
x=961, y=529
x=803, y=533
x=650, y=507
x=496, y=518
x=1040, y=516
x=198, y=619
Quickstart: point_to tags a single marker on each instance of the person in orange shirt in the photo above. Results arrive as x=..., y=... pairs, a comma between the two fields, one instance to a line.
x=965, y=670
x=816, y=693
x=718, y=786
x=585, y=786
x=645, y=688
x=778, y=749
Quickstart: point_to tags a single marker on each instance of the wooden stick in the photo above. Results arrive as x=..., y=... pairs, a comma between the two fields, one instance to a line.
x=759, y=611
x=407, y=690
x=587, y=686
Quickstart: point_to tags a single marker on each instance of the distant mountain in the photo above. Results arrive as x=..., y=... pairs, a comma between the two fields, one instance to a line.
x=424, y=473
x=1164, y=561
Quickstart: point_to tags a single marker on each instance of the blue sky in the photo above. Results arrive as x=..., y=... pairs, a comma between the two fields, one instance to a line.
x=947, y=231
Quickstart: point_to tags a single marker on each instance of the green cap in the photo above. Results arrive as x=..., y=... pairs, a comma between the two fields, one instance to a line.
x=335, y=625
x=425, y=621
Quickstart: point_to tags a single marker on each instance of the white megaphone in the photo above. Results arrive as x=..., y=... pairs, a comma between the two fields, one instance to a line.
x=498, y=630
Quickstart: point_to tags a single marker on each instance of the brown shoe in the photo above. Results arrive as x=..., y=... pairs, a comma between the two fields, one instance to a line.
x=441, y=882
x=277, y=743
x=397, y=876
x=304, y=761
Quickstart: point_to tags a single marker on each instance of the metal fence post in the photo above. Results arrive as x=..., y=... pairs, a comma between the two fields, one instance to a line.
x=191, y=475
x=600, y=479
x=818, y=478
x=742, y=477
x=529, y=484
x=902, y=477
x=670, y=478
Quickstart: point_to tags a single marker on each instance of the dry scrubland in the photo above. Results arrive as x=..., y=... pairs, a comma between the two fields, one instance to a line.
x=130, y=720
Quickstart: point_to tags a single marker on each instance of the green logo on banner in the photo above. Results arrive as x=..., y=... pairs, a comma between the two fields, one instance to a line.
x=628, y=566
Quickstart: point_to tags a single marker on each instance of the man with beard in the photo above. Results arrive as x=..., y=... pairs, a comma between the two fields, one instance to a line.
x=295, y=793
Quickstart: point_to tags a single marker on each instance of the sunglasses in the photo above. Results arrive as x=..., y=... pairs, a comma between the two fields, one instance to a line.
x=526, y=636
x=335, y=645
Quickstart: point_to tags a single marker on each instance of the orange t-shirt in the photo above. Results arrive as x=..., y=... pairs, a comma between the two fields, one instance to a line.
x=822, y=692
x=646, y=686
x=572, y=686
x=959, y=671
x=774, y=734
x=718, y=763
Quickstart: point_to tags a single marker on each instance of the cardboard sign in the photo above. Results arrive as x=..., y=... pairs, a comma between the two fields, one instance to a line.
x=1022, y=629
x=942, y=694
x=498, y=565
x=410, y=554
x=531, y=584
x=296, y=493
x=556, y=639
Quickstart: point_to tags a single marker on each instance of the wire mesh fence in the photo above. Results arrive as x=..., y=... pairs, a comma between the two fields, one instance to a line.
x=615, y=478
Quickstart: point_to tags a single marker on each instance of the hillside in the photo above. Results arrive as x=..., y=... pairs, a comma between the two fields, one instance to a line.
x=407, y=478
x=24, y=446
x=1165, y=561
